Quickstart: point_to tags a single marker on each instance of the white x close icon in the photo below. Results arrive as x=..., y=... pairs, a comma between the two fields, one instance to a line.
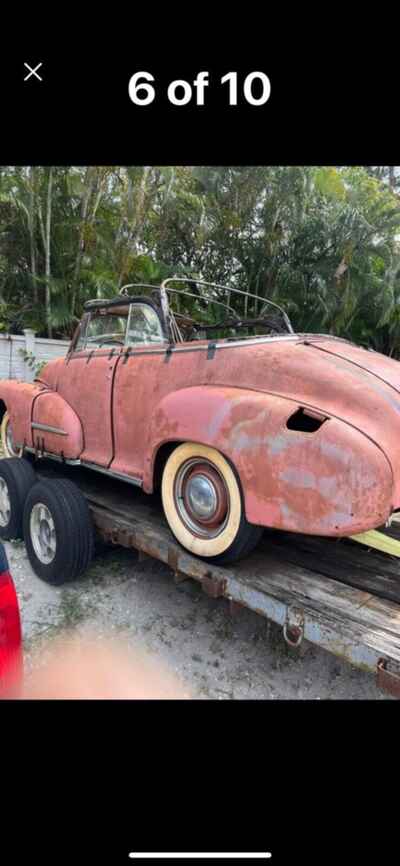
x=33, y=71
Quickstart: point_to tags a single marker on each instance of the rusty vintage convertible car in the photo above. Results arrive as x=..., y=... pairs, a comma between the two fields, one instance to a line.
x=240, y=429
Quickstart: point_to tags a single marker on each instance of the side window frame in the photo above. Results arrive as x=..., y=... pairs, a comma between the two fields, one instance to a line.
x=80, y=329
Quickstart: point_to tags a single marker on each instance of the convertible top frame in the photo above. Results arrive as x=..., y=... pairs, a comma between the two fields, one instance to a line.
x=229, y=289
x=169, y=316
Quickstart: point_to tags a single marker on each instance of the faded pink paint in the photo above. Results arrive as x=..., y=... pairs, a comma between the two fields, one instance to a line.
x=343, y=478
x=87, y=387
x=19, y=398
x=52, y=410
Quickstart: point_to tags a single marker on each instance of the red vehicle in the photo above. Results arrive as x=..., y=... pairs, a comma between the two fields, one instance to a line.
x=241, y=422
x=10, y=632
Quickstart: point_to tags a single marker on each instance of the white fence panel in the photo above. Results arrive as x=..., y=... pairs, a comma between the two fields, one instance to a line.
x=13, y=347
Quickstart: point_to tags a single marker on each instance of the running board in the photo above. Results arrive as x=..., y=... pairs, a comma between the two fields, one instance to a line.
x=379, y=541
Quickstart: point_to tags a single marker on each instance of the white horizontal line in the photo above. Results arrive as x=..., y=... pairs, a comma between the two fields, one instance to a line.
x=200, y=855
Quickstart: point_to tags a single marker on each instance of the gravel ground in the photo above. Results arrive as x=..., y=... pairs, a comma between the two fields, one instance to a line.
x=214, y=654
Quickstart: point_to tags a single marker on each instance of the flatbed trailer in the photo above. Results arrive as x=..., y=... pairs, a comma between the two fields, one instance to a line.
x=334, y=593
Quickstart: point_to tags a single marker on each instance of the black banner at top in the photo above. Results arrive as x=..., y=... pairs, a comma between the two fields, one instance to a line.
x=133, y=107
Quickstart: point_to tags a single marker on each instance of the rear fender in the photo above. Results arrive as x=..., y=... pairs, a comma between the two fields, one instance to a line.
x=334, y=481
x=228, y=419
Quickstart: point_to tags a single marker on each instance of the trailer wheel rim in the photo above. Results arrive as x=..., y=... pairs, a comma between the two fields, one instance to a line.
x=201, y=498
x=5, y=504
x=43, y=533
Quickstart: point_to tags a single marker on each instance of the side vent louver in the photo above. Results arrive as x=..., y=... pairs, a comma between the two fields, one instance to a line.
x=305, y=420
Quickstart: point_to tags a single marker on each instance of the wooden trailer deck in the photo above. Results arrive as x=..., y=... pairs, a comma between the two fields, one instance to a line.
x=337, y=594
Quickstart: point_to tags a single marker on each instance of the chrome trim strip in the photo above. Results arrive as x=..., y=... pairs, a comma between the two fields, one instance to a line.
x=48, y=429
x=231, y=344
x=86, y=465
x=191, y=347
x=118, y=475
x=49, y=456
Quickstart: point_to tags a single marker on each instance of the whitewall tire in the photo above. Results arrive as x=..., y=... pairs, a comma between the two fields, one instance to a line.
x=203, y=504
x=6, y=437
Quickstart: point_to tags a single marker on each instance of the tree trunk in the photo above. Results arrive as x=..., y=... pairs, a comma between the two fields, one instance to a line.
x=134, y=232
x=89, y=183
x=47, y=253
x=32, y=226
x=169, y=188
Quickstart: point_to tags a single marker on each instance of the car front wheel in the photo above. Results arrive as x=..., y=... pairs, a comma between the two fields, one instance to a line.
x=7, y=440
x=203, y=504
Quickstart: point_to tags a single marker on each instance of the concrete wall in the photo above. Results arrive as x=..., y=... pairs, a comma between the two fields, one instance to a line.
x=12, y=348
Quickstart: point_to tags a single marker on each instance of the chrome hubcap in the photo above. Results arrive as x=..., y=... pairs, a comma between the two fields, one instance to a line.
x=201, y=498
x=43, y=533
x=5, y=505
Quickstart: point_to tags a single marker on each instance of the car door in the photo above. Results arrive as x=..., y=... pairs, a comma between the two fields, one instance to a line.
x=86, y=379
x=138, y=384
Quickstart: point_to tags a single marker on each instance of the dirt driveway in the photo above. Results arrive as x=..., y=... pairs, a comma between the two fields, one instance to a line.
x=214, y=654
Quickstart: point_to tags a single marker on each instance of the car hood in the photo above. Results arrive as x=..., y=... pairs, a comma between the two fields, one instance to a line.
x=338, y=378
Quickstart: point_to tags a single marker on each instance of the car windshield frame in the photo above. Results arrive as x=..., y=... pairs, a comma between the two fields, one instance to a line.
x=83, y=343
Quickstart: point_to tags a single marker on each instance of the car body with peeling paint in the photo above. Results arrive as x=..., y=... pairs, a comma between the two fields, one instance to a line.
x=241, y=431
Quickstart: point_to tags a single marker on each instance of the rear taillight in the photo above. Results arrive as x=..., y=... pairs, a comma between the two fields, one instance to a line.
x=10, y=637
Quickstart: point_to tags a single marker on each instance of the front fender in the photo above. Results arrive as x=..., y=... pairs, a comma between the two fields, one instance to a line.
x=65, y=436
x=334, y=481
x=32, y=403
x=19, y=398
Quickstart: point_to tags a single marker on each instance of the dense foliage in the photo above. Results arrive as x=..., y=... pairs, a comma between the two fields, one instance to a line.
x=321, y=241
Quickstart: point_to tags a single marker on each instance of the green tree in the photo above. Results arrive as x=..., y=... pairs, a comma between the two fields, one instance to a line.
x=322, y=241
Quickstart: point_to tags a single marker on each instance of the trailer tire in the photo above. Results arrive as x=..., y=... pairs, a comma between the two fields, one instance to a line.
x=17, y=476
x=58, y=530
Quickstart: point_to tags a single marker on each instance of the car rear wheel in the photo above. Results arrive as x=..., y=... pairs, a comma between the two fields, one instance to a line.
x=58, y=530
x=7, y=440
x=203, y=504
x=16, y=479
